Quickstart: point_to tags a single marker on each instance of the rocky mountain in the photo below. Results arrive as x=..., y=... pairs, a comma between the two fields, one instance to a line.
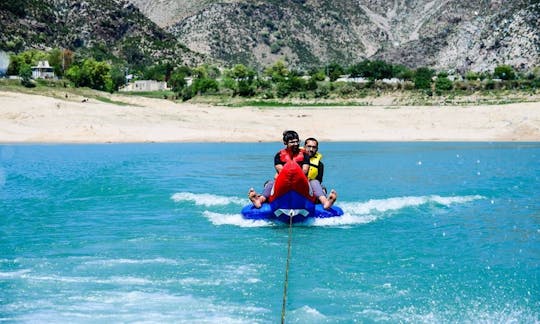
x=443, y=34
x=107, y=28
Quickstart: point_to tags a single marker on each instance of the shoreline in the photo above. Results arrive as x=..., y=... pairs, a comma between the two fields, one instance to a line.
x=38, y=119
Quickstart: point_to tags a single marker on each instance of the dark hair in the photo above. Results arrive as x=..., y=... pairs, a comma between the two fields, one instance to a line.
x=311, y=139
x=289, y=135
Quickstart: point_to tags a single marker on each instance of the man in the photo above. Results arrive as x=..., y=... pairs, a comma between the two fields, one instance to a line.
x=291, y=152
x=316, y=167
x=316, y=173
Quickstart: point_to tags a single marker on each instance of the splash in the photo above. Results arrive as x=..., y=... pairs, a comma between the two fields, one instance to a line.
x=355, y=213
x=234, y=219
x=207, y=199
x=396, y=203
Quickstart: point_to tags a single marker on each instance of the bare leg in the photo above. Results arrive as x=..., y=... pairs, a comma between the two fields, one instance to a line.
x=256, y=199
x=328, y=202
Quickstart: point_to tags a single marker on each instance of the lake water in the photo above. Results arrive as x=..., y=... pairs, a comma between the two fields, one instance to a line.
x=432, y=233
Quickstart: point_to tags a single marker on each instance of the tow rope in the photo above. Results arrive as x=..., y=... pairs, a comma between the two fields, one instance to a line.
x=291, y=214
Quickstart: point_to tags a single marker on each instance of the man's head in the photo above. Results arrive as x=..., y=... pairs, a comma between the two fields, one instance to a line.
x=291, y=140
x=312, y=146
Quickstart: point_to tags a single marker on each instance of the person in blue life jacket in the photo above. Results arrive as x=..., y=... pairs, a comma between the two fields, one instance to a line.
x=316, y=169
x=291, y=152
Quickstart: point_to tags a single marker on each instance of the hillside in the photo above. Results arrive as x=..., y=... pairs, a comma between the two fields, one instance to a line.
x=104, y=28
x=444, y=34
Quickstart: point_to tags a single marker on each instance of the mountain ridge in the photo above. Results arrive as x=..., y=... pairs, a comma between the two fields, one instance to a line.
x=440, y=34
x=443, y=34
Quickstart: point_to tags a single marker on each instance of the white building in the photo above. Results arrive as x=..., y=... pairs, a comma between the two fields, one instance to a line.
x=4, y=63
x=145, y=85
x=42, y=71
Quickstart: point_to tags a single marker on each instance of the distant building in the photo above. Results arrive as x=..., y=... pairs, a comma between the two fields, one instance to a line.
x=346, y=78
x=42, y=71
x=145, y=85
x=4, y=63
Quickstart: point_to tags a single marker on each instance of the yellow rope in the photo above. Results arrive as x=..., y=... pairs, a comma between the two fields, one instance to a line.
x=286, y=272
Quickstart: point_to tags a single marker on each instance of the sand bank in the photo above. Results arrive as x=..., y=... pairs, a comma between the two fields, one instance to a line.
x=28, y=118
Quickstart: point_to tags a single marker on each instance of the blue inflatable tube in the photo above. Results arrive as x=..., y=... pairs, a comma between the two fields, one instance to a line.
x=290, y=205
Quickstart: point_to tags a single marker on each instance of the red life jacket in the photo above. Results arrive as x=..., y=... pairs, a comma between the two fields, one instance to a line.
x=286, y=155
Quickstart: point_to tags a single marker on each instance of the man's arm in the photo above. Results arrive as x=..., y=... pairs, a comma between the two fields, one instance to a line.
x=320, y=174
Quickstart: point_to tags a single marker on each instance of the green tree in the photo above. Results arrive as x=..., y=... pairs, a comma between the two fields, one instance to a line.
x=381, y=70
x=422, y=78
x=25, y=72
x=200, y=72
x=443, y=83
x=117, y=77
x=158, y=72
x=56, y=61
x=278, y=71
x=15, y=63
x=317, y=75
x=504, y=72
x=241, y=80
x=204, y=85
x=16, y=7
x=74, y=74
x=177, y=81
x=334, y=71
x=91, y=73
x=373, y=70
x=471, y=76
x=283, y=89
x=402, y=72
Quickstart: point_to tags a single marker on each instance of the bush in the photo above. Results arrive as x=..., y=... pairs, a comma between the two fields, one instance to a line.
x=322, y=92
x=177, y=81
x=422, y=78
x=25, y=73
x=443, y=84
x=504, y=72
x=246, y=88
x=91, y=73
x=346, y=89
x=283, y=89
x=204, y=85
x=471, y=75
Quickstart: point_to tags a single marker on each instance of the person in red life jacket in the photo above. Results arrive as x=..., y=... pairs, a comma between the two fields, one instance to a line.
x=290, y=152
x=316, y=172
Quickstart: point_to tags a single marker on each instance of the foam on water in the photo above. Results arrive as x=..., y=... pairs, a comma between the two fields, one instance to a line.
x=141, y=307
x=355, y=213
x=234, y=219
x=14, y=274
x=206, y=199
x=306, y=314
x=114, y=262
x=396, y=203
x=468, y=314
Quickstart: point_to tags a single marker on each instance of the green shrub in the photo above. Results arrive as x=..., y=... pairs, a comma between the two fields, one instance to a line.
x=443, y=84
x=422, y=78
x=504, y=72
x=471, y=76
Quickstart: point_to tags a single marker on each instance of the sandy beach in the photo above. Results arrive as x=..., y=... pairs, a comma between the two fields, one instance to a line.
x=26, y=118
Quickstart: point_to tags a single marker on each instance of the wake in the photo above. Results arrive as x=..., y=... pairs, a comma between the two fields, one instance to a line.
x=359, y=212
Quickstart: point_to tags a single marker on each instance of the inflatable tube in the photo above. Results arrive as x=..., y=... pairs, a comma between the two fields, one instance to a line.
x=291, y=178
x=290, y=198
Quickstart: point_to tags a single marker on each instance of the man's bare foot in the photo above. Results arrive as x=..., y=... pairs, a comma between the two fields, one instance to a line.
x=254, y=198
x=331, y=199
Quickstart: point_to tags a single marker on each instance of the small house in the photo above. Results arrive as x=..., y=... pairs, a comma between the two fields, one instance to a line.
x=42, y=71
x=145, y=85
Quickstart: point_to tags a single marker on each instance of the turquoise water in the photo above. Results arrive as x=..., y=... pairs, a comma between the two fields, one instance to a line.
x=433, y=233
